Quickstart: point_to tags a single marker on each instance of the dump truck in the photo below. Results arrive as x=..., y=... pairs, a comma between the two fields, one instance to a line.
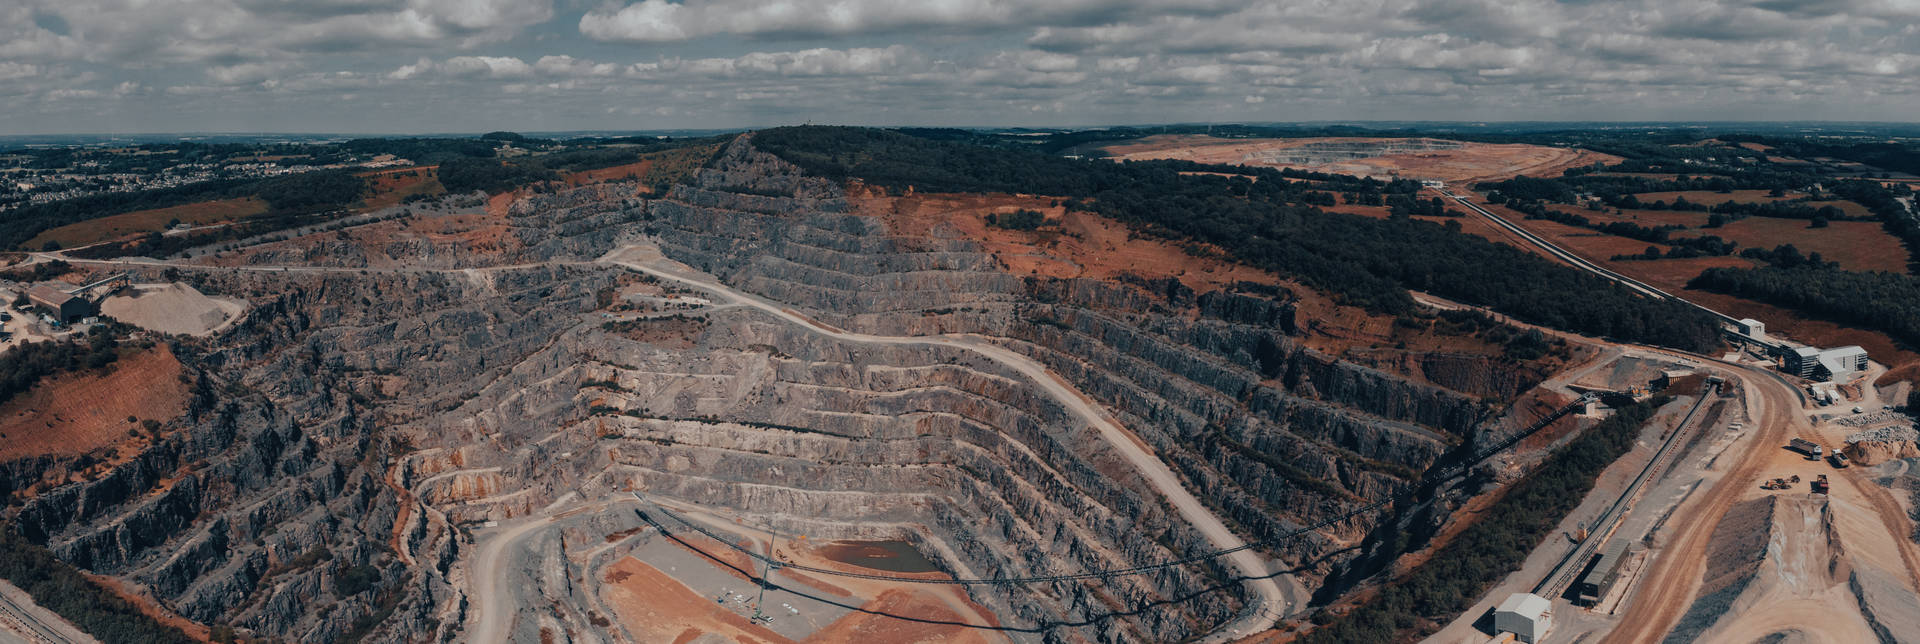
x=1820, y=484
x=1804, y=446
x=1838, y=460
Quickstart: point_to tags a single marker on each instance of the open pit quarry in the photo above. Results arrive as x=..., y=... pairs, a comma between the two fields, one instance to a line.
x=441, y=439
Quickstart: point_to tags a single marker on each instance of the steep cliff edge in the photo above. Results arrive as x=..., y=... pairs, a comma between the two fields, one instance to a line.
x=396, y=391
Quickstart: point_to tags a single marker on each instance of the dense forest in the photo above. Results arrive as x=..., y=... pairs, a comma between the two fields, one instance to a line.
x=489, y=175
x=301, y=193
x=1886, y=302
x=1899, y=157
x=1461, y=571
x=56, y=586
x=1263, y=221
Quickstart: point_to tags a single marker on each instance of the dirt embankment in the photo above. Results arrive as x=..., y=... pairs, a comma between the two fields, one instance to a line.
x=77, y=413
x=1876, y=446
x=1733, y=560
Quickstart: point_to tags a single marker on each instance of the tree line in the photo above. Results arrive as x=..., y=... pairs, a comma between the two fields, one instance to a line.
x=1461, y=571
x=1886, y=302
x=1360, y=260
x=56, y=586
x=25, y=365
x=302, y=193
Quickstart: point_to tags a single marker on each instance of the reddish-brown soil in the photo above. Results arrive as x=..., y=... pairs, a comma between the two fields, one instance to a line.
x=1857, y=245
x=1664, y=176
x=477, y=234
x=388, y=187
x=1471, y=162
x=652, y=169
x=1672, y=275
x=1082, y=245
x=1710, y=197
x=77, y=413
x=628, y=172
x=1879, y=346
x=153, y=609
x=1648, y=218
x=1376, y=212
x=1588, y=243
x=1074, y=245
x=673, y=331
x=147, y=221
x=1852, y=209
x=868, y=627
x=657, y=608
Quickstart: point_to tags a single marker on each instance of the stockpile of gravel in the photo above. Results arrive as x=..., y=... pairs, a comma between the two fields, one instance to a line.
x=1885, y=434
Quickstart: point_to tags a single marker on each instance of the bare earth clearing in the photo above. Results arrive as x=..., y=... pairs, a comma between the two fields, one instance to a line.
x=1450, y=161
x=172, y=308
x=80, y=412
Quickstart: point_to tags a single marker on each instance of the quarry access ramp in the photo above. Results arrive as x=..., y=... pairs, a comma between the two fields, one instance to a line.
x=1425, y=484
x=1268, y=602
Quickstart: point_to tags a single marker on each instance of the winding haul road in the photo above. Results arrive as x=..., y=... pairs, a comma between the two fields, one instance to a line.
x=1267, y=602
x=1673, y=576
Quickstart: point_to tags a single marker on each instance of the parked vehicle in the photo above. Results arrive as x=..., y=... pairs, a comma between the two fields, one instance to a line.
x=1803, y=446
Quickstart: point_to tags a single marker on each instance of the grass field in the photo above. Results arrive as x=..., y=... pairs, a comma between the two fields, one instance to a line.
x=1587, y=243
x=1857, y=245
x=145, y=221
x=1648, y=218
x=1712, y=198
x=1852, y=209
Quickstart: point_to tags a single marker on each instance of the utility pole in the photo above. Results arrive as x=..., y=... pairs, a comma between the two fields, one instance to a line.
x=766, y=569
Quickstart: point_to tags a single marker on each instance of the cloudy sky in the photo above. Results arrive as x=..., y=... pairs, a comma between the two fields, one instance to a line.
x=532, y=65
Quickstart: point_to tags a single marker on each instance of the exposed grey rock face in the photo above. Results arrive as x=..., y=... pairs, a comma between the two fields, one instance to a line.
x=363, y=421
x=285, y=450
x=1280, y=433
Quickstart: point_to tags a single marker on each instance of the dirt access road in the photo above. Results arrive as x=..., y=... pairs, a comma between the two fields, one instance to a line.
x=1268, y=602
x=492, y=614
x=1667, y=589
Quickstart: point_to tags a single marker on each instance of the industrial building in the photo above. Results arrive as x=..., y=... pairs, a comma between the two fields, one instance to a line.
x=1600, y=577
x=1753, y=329
x=1839, y=364
x=1526, y=615
x=1668, y=377
x=58, y=304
